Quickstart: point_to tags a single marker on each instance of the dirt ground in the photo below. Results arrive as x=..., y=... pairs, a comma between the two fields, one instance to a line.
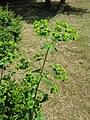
x=73, y=101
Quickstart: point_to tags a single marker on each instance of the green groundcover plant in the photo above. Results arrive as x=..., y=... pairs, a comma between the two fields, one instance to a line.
x=22, y=100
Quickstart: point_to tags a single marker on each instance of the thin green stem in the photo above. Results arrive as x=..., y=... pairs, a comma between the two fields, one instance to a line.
x=31, y=116
x=41, y=72
x=1, y=75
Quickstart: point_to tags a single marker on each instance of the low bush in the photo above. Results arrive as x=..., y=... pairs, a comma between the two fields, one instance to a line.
x=10, y=28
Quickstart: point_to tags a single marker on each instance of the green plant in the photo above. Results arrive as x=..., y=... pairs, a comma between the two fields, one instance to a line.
x=61, y=33
x=59, y=73
x=23, y=100
x=10, y=28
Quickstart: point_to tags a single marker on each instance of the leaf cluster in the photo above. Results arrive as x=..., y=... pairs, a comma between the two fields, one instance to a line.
x=59, y=73
x=41, y=28
x=61, y=32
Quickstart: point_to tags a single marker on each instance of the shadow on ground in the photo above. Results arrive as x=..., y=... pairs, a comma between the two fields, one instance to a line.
x=37, y=11
x=73, y=10
x=32, y=12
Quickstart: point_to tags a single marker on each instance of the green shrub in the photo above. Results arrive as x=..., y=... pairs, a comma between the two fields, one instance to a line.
x=10, y=28
x=16, y=99
x=9, y=24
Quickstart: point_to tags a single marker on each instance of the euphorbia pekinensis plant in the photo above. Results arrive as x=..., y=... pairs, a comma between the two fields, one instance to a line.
x=23, y=100
x=61, y=32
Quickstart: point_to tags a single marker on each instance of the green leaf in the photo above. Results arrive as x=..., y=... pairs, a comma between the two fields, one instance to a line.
x=39, y=117
x=46, y=46
x=45, y=98
x=47, y=79
x=52, y=47
x=54, y=89
x=38, y=56
x=37, y=70
x=1, y=117
x=33, y=91
x=27, y=116
x=55, y=48
x=22, y=60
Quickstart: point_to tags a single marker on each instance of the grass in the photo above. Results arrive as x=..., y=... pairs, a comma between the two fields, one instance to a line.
x=73, y=102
